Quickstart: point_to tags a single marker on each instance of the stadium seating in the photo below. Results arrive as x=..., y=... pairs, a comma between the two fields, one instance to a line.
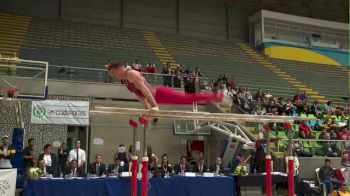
x=331, y=81
x=90, y=46
x=215, y=58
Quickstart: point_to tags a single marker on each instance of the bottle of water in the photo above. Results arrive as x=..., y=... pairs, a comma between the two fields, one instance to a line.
x=61, y=175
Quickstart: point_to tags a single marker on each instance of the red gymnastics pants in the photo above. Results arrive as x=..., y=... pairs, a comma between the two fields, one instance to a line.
x=166, y=95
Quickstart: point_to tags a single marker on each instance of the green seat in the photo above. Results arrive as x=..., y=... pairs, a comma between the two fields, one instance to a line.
x=303, y=115
x=282, y=135
x=282, y=143
x=307, y=145
x=317, y=134
x=296, y=127
x=272, y=134
x=306, y=149
x=311, y=116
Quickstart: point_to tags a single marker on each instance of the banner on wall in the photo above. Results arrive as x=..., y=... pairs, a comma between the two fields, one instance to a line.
x=56, y=112
x=8, y=182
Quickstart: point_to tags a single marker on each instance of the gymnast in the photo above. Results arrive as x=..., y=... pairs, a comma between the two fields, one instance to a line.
x=150, y=96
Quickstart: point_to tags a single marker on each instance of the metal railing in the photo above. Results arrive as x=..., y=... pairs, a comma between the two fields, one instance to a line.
x=101, y=76
x=321, y=147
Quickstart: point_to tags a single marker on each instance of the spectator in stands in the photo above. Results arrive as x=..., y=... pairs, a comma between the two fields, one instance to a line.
x=199, y=73
x=259, y=95
x=344, y=134
x=182, y=167
x=270, y=107
x=333, y=135
x=200, y=167
x=78, y=154
x=165, y=166
x=268, y=95
x=137, y=65
x=73, y=170
x=324, y=136
x=167, y=75
x=108, y=78
x=191, y=80
x=318, y=126
x=314, y=109
x=276, y=126
x=299, y=150
x=327, y=176
x=126, y=64
x=7, y=152
x=47, y=172
x=338, y=111
x=328, y=108
x=29, y=157
x=296, y=97
x=247, y=104
x=50, y=159
x=327, y=124
x=232, y=82
x=303, y=97
x=117, y=167
x=62, y=158
x=300, y=106
x=151, y=67
x=217, y=168
x=281, y=106
x=97, y=168
x=334, y=125
x=305, y=131
x=177, y=76
x=289, y=107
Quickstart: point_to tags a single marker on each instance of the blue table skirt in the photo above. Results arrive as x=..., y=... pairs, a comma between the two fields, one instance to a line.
x=176, y=186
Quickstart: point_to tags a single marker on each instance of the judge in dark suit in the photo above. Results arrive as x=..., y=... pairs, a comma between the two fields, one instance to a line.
x=47, y=171
x=97, y=168
x=117, y=168
x=73, y=170
x=182, y=167
x=200, y=167
x=217, y=168
x=50, y=158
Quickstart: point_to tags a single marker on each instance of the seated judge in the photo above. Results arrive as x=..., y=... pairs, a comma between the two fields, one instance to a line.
x=200, y=168
x=165, y=166
x=47, y=171
x=73, y=170
x=217, y=168
x=117, y=167
x=97, y=169
x=182, y=167
x=152, y=166
x=50, y=158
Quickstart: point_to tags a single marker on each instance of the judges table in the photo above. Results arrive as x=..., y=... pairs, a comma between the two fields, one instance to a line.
x=175, y=186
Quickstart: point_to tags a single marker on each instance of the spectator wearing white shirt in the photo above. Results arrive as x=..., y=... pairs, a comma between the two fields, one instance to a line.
x=78, y=154
x=137, y=65
x=268, y=95
x=126, y=64
x=50, y=159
